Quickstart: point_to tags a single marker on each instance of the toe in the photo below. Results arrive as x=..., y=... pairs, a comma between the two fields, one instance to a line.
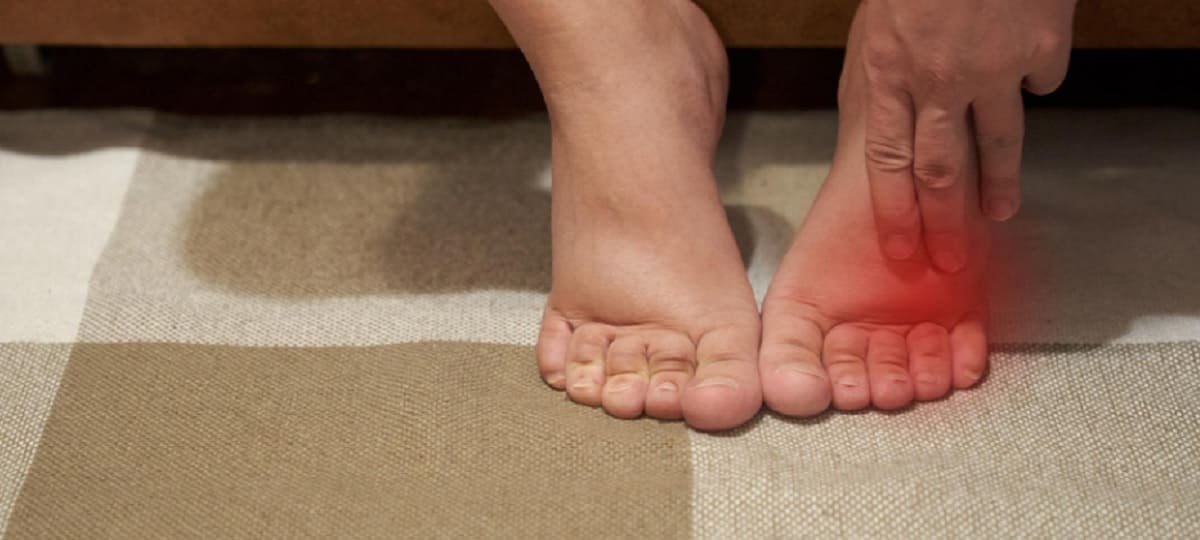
x=672, y=360
x=585, y=363
x=844, y=355
x=887, y=370
x=968, y=347
x=554, y=340
x=794, y=382
x=624, y=394
x=725, y=392
x=929, y=361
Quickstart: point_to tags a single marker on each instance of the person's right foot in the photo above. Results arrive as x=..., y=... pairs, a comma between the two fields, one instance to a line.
x=843, y=323
x=650, y=311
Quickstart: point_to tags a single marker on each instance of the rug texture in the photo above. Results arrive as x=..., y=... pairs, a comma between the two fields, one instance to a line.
x=323, y=327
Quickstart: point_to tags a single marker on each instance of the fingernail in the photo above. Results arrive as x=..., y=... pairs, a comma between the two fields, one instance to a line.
x=1001, y=209
x=555, y=379
x=948, y=261
x=718, y=381
x=899, y=246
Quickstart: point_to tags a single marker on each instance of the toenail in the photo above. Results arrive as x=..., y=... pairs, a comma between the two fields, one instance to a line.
x=849, y=382
x=947, y=260
x=555, y=379
x=927, y=378
x=1000, y=209
x=718, y=381
x=972, y=375
x=899, y=246
x=801, y=369
x=667, y=387
x=617, y=387
x=585, y=385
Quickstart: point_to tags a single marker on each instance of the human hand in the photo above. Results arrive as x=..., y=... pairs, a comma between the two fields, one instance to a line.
x=938, y=72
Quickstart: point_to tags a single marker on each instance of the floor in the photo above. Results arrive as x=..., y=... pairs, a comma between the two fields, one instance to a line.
x=322, y=325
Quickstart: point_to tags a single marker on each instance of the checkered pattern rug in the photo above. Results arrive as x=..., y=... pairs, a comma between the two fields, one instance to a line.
x=323, y=326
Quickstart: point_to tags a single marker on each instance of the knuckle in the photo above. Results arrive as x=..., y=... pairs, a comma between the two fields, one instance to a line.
x=1051, y=42
x=936, y=174
x=997, y=65
x=940, y=75
x=888, y=155
x=880, y=56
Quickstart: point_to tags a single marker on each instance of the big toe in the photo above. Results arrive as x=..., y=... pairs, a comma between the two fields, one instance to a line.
x=726, y=391
x=794, y=383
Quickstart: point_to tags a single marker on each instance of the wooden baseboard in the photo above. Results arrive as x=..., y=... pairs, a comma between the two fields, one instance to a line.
x=471, y=23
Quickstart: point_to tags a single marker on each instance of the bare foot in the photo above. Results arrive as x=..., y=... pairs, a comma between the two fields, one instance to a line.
x=650, y=311
x=843, y=323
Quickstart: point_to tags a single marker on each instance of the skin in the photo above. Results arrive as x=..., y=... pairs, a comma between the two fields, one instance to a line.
x=845, y=326
x=650, y=312
x=944, y=79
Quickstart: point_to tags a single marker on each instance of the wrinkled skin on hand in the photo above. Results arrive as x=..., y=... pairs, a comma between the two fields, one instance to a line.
x=939, y=71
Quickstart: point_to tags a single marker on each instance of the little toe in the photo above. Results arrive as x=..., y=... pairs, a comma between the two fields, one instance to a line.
x=844, y=355
x=672, y=360
x=554, y=340
x=794, y=383
x=929, y=361
x=887, y=370
x=585, y=363
x=968, y=347
x=626, y=377
x=726, y=391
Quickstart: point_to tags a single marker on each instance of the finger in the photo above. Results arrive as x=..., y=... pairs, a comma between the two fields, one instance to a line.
x=940, y=166
x=889, y=153
x=999, y=131
x=1052, y=62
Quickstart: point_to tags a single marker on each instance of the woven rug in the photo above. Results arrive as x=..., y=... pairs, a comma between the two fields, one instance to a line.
x=323, y=326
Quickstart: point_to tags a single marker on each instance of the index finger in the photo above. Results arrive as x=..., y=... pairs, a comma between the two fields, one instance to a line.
x=890, y=129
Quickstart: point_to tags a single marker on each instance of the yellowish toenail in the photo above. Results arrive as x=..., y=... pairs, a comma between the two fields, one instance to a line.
x=585, y=385
x=667, y=387
x=972, y=375
x=718, y=381
x=927, y=378
x=555, y=379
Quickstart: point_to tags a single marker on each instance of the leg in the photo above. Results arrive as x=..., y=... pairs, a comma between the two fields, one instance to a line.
x=650, y=311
